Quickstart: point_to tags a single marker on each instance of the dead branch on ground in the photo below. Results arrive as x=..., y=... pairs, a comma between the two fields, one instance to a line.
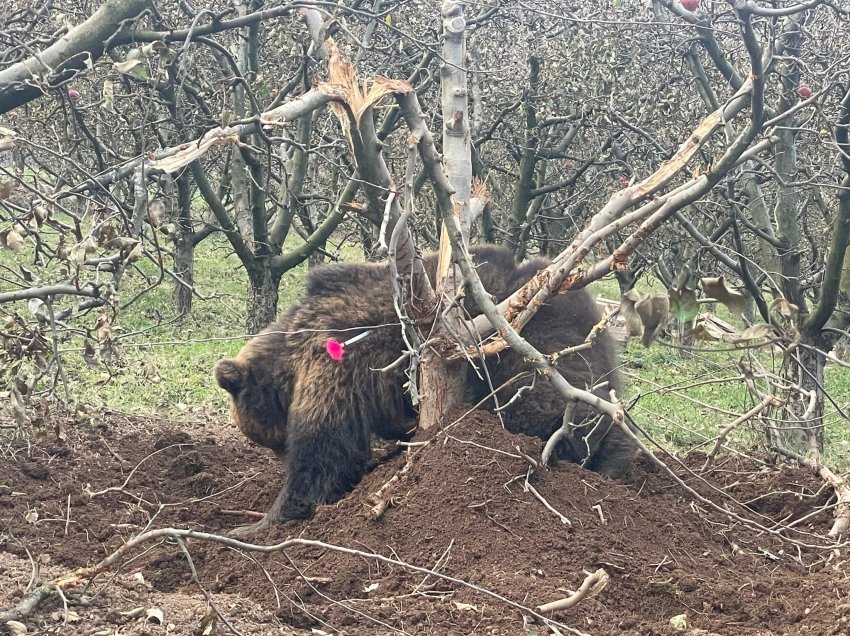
x=383, y=497
x=592, y=585
x=31, y=601
x=837, y=483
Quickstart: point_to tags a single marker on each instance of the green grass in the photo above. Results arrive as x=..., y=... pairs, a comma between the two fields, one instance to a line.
x=164, y=364
x=166, y=369
x=686, y=397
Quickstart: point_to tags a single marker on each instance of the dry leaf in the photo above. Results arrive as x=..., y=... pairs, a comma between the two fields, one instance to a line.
x=208, y=624
x=13, y=240
x=627, y=311
x=133, y=65
x=683, y=304
x=157, y=212
x=708, y=327
x=28, y=275
x=653, y=312
x=35, y=306
x=69, y=616
x=6, y=187
x=81, y=251
x=135, y=254
x=679, y=622
x=40, y=213
x=122, y=243
x=16, y=628
x=760, y=330
x=16, y=407
x=105, y=233
x=7, y=139
x=780, y=310
x=90, y=355
x=716, y=288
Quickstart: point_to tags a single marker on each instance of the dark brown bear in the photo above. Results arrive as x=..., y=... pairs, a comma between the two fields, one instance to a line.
x=317, y=413
x=565, y=321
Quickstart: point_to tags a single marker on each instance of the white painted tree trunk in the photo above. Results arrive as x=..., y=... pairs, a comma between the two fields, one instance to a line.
x=443, y=382
x=457, y=148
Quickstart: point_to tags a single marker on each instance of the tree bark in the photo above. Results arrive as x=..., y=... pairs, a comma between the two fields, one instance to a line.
x=261, y=308
x=82, y=45
x=238, y=169
x=527, y=163
x=184, y=248
x=803, y=367
x=801, y=428
x=443, y=382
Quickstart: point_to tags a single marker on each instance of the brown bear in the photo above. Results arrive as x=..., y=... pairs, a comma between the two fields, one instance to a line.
x=565, y=321
x=317, y=413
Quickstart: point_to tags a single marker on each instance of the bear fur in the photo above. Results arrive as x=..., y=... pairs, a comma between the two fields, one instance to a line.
x=317, y=414
x=597, y=442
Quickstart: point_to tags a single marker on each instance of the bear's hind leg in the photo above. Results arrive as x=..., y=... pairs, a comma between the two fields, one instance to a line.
x=614, y=454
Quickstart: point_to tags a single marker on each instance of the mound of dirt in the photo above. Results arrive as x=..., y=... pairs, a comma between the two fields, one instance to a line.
x=491, y=544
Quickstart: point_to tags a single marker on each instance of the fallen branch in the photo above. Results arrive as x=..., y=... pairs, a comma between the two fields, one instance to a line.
x=561, y=433
x=592, y=585
x=779, y=534
x=30, y=602
x=533, y=466
x=838, y=484
x=528, y=487
x=253, y=514
x=381, y=497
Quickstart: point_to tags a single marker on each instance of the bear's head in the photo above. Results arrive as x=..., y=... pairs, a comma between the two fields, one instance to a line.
x=258, y=402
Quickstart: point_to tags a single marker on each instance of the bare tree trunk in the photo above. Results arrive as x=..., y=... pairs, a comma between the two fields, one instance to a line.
x=803, y=368
x=527, y=163
x=184, y=248
x=261, y=308
x=801, y=428
x=443, y=383
x=760, y=216
x=238, y=169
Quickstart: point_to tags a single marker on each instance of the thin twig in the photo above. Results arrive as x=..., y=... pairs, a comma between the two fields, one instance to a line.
x=838, y=484
x=122, y=487
x=197, y=581
x=768, y=400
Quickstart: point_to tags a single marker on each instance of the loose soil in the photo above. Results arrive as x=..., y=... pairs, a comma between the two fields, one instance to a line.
x=460, y=509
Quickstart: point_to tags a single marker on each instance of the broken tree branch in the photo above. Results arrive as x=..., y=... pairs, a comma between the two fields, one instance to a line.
x=592, y=585
x=654, y=208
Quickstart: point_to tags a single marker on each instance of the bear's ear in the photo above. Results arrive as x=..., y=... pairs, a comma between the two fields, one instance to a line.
x=230, y=375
